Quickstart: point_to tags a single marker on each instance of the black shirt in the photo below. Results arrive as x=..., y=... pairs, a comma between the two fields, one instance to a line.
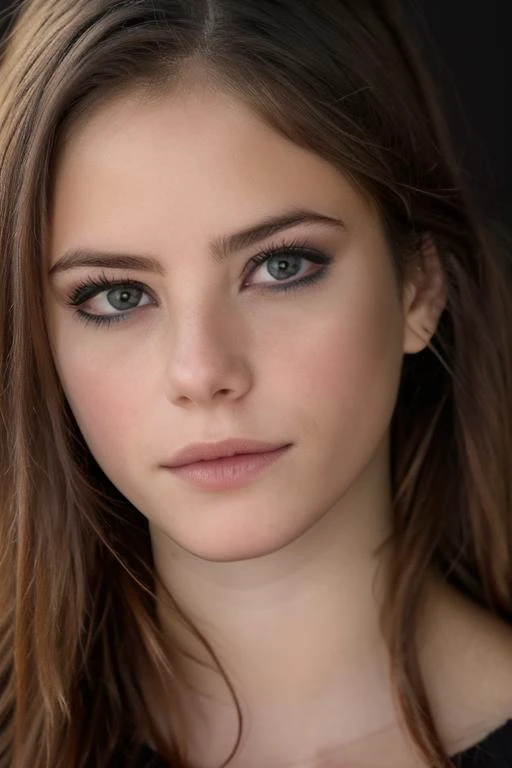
x=494, y=751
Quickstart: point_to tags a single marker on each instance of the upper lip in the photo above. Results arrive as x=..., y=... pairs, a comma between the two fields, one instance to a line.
x=209, y=451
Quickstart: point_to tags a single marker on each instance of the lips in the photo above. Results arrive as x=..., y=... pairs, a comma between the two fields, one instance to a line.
x=230, y=472
x=199, y=452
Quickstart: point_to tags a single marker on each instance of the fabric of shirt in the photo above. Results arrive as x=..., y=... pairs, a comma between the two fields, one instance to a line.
x=494, y=751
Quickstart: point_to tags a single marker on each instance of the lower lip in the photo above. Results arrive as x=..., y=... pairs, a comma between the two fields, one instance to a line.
x=228, y=473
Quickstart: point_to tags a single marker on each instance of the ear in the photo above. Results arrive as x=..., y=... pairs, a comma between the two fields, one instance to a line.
x=424, y=297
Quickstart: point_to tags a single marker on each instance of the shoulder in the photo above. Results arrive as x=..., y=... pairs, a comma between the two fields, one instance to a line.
x=490, y=660
x=493, y=751
x=468, y=670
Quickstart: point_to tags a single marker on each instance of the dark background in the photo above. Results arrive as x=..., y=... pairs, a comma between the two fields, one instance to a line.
x=467, y=46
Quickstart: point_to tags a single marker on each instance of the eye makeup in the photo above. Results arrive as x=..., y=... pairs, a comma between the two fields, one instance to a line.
x=293, y=251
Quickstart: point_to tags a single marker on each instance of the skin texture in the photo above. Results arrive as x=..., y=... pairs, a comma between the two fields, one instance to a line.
x=318, y=368
x=280, y=573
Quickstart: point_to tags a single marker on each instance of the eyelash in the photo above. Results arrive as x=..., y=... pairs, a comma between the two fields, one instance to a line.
x=91, y=287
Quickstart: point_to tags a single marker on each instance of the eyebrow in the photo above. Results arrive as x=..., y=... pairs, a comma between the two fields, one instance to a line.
x=220, y=249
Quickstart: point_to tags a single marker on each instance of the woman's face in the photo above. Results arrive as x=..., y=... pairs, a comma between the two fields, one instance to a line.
x=208, y=349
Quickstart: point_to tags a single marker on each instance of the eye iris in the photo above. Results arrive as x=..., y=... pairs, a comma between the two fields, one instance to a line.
x=283, y=264
x=125, y=298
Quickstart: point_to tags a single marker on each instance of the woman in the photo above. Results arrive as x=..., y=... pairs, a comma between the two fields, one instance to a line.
x=241, y=220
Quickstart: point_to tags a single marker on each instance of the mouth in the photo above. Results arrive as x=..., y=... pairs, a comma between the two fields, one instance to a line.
x=228, y=472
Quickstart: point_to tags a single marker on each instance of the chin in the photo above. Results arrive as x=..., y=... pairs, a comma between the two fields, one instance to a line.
x=233, y=545
x=233, y=554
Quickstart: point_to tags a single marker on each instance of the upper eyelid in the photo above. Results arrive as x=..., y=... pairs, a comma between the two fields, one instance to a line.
x=93, y=288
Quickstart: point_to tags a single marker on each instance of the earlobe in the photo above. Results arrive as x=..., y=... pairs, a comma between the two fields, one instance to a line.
x=416, y=339
x=425, y=298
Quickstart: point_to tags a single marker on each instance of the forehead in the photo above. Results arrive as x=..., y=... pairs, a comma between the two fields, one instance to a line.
x=191, y=161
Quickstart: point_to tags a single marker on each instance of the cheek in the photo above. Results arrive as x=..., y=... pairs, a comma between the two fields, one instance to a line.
x=344, y=373
x=106, y=391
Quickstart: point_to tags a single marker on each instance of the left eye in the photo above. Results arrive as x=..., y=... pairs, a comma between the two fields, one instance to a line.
x=284, y=263
x=281, y=266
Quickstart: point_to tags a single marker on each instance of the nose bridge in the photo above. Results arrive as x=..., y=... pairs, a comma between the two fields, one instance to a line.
x=204, y=318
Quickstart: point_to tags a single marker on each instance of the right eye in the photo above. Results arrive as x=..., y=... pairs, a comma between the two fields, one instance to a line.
x=110, y=300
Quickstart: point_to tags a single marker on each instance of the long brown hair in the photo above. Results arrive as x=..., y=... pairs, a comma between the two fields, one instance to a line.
x=77, y=583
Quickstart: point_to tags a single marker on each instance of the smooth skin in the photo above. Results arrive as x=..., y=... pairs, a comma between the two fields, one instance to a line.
x=280, y=574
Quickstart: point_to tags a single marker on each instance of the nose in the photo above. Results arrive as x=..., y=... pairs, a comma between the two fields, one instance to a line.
x=208, y=359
